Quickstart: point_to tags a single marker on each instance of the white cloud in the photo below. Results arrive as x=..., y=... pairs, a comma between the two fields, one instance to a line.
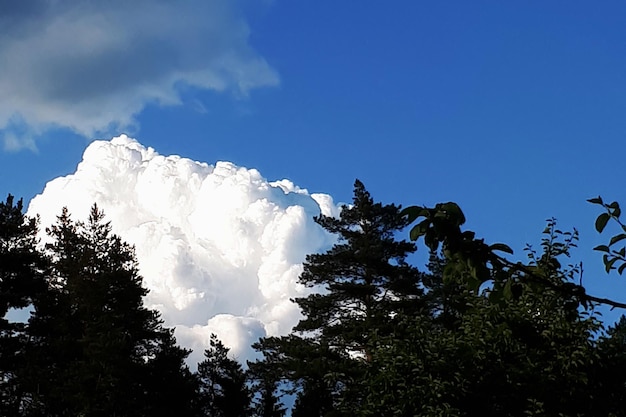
x=93, y=66
x=219, y=247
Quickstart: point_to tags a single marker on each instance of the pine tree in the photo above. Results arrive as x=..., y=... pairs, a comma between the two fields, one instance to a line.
x=171, y=388
x=97, y=349
x=301, y=365
x=364, y=279
x=21, y=280
x=223, y=386
x=264, y=385
x=268, y=404
x=364, y=287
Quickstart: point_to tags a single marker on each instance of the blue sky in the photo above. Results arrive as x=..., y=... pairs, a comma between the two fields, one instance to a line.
x=515, y=110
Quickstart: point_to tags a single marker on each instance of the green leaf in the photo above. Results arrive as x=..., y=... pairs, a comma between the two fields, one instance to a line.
x=430, y=239
x=615, y=209
x=455, y=212
x=617, y=238
x=502, y=248
x=419, y=229
x=601, y=222
x=602, y=248
x=621, y=268
x=597, y=200
x=609, y=265
x=507, y=291
x=412, y=213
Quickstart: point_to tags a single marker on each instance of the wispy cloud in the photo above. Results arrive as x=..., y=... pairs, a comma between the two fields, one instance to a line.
x=93, y=66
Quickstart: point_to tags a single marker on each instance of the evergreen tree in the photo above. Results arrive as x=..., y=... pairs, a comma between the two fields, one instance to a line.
x=223, y=385
x=21, y=281
x=97, y=350
x=268, y=404
x=364, y=278
x=302, y=366
x=364, y=284
x=171, y=389
x=264, y=385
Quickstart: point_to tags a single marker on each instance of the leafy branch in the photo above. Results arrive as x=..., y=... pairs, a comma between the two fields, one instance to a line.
x=611, y=254
x=440, y=227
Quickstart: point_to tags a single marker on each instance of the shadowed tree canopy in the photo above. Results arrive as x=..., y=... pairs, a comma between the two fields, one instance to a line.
x=94, y=348
x=22, y=269
x=479, y=335
x=363, y=283
x=223, y=384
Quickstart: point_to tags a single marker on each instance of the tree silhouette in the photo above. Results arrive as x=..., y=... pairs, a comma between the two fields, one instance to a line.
x=96, y=349
x=223, y=385
x=22, y=268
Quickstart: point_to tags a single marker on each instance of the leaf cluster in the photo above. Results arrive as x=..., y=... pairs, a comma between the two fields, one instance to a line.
x=614, y=257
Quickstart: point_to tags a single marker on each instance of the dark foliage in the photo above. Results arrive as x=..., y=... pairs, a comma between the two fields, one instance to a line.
x=92, y=348
x=223, y=388
x=364, y=285
x=22, y=269
x=478, y=335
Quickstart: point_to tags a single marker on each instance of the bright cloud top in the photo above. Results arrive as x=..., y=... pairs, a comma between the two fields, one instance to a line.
x=219, y=247
x=91, y=66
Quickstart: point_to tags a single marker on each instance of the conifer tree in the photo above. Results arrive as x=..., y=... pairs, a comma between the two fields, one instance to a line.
x=223, y=385
x=171, y=389
x=96, y=348
x=364, y=278
x=364, y=287
x=268, y=404
x=21, y=280
x=264, y=385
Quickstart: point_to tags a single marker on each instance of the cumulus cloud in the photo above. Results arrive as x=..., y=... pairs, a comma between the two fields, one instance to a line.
x=220, y=247
x=93, y=66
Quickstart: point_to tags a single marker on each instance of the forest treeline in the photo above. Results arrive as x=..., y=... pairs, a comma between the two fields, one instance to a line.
x=471, y=335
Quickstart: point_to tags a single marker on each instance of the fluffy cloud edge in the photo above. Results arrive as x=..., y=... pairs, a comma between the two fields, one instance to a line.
x=219, y=246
